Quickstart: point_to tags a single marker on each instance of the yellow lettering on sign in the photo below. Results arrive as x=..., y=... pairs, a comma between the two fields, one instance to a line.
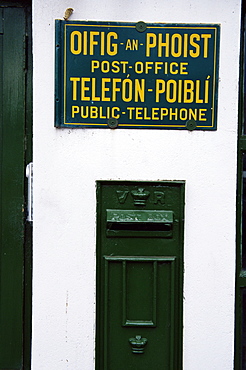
x=183, y=114
x=108, y=89
x=105, y=66
x=206, y=90
x=124, y=64
x=131, y=44
x=159, y=89
x=173, y=113
x=97, y=41
x=193, y=114
x=75, y=109
x=94, y=65
x=164, y=112
x=101, y=113
x=150, y=42
x=155, y=112
x=76, y=38
x=130, y=110
x=180, y=82
x=139, y=90
x=145, y=113
x=74, y=88
x=198, y=87
x=115, y=89
x=182, y=91
x=93, y=112
x=158, y=66
x=202, y=113
x=139, y=112
x=172, y=70
x=185, y=53
x=134, y=44
x=93, y=42
x=115, y=66
x=139, y=67
x=183, y=67
x=102, y=43
x=146, y=117
x=171, y=91
x=148, y=66
x=205, y=36
x=128, y=45
x=163, y=45
x=112, y=48
x=93, y=90
x=188, y=89
x=194, y=53
x=176, y=45
x=84, y=88
x=84, y=112
x=114, y=115
x=127, y=90
x=105, y=89
x=85, y=41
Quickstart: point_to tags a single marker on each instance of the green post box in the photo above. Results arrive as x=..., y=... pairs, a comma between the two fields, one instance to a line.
x=139, y=275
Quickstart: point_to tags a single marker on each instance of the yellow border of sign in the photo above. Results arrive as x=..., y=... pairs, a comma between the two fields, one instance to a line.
x=135, y=124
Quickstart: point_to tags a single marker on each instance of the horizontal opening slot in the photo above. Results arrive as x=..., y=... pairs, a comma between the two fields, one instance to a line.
x=139, y=226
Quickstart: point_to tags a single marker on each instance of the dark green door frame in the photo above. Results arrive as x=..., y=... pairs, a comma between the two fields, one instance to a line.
x=15, y=153
x=240, y=293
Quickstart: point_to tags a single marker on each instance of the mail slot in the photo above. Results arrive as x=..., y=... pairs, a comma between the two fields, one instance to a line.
x=139, y=275
x=141, y=223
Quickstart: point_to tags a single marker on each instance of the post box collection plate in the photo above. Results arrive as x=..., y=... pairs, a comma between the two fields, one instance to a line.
x=136, y=75
x=139, y=275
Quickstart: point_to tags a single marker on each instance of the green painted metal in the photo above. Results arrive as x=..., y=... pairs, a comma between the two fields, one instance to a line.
x=136, y=75
x=239, y=359
x=139, y=275
x=141, y=216
x=15, y=137
x=141, y=223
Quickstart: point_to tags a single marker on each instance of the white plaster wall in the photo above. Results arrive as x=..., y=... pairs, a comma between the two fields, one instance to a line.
x=68, y=162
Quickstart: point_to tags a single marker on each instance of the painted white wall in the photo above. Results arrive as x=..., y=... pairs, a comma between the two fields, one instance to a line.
x=67, y=162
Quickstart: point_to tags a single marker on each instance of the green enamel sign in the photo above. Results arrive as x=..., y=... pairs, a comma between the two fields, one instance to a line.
x=136, y=75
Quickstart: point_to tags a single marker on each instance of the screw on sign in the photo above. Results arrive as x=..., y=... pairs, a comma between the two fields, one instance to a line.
x=141, y=26
x=112, y=122
x=191, y=124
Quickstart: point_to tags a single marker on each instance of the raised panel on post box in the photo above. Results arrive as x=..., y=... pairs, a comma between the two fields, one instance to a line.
x=139, y=275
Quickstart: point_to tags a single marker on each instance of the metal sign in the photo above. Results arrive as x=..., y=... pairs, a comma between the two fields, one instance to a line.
x=125, y=75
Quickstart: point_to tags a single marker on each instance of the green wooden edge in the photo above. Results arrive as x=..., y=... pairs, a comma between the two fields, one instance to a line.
x=27, y=329
x=240, y=280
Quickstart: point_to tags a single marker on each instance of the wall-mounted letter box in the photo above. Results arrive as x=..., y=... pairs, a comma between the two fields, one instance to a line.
x=139, y=223
x=139, y=275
